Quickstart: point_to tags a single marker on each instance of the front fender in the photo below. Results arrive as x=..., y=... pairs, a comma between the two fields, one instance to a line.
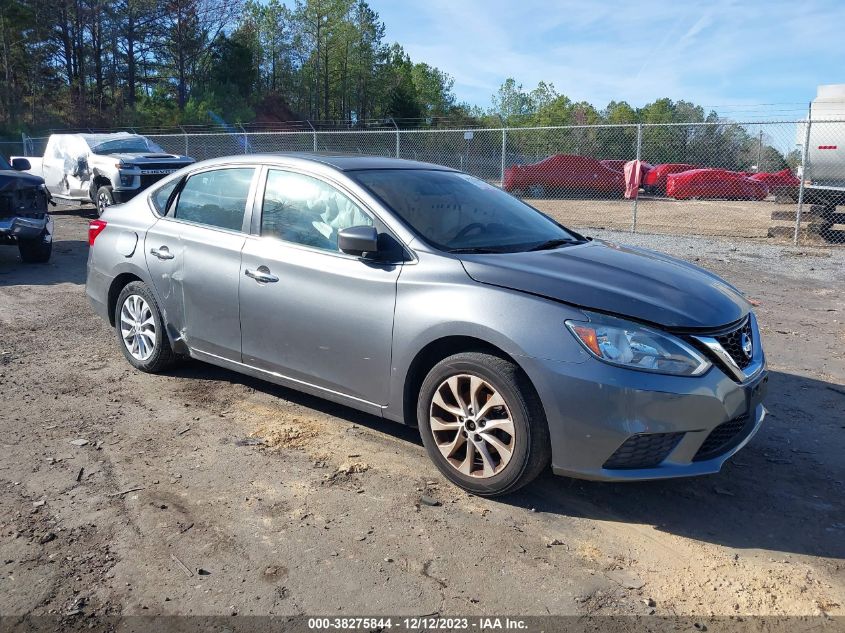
x=439, y=300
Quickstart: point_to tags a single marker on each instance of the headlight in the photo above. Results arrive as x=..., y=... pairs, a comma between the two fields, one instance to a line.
x=636, y=346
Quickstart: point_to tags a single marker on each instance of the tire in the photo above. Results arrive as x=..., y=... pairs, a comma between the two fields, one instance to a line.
x=105, y=198
x=150, y=358
x=536, y=191
x=36, y=251
x=522, y=411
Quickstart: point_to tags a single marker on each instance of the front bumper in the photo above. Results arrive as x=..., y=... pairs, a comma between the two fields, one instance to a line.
x=594, y=408
x=23, y=228
x=124, y=195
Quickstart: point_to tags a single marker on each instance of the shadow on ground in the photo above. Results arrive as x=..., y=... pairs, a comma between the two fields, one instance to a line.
x=782, y=493
x=202, y=371
x=66, y=265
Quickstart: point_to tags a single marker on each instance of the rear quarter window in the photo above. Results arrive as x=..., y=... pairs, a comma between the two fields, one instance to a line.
x=161, y=195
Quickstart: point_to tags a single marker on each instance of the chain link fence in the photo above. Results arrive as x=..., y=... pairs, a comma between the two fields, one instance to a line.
x=12, y=148
x=779, y=181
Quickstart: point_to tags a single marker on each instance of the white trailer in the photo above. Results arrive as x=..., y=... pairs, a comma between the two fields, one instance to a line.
x=823, y=171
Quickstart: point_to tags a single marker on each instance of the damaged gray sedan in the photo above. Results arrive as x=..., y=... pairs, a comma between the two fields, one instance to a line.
x=429, y=297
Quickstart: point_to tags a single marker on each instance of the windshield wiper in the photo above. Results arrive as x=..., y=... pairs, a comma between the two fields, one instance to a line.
x=479, y=250
x=550, y=244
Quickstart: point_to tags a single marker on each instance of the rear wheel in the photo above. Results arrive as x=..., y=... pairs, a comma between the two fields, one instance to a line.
x=483, y=424
x=140, y=329
x=105, y=199
x=36, y=251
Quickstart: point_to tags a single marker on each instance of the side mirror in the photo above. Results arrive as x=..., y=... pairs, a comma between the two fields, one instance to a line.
x=357, y=240
x=21, y=164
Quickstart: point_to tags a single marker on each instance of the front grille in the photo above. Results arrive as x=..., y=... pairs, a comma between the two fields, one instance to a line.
x=722, y=438
x=29, y=202
x=151, y=166
x=732, y=344
x=643, y=450
x=146, y=181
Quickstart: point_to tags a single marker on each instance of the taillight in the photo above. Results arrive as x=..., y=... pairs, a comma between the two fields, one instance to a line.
x=95, y=227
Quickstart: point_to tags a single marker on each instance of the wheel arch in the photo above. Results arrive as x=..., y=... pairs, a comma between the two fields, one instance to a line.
x=119, y=283
x=127, y=276
x=99, y=180
x=431, y=354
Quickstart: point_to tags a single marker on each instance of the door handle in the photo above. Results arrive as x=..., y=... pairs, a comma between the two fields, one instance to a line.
x=162, y=252
x=261, y=275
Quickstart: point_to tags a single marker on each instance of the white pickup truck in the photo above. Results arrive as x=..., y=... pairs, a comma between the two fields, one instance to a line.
x=103, y=169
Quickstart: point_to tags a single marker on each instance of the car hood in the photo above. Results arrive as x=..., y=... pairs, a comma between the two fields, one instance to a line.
x=632, y=282
x=11, y=179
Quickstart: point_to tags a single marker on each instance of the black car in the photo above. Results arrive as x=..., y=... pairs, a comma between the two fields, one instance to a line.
x=24, y=219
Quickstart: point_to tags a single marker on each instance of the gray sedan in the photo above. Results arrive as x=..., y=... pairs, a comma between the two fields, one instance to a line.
x=429, y=297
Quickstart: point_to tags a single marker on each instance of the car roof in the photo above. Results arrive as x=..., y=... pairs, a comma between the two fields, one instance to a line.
x=338, y=162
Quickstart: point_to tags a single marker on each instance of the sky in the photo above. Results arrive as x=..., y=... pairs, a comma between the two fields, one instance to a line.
x=748, y=60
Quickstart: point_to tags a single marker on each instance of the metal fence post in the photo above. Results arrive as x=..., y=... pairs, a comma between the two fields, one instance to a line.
x=397, y=135
x=314, y=132
x=185, y=134
x=637, y=194
x=760, y=151
x=246, y=140
x=804, y=164
x=504, y=151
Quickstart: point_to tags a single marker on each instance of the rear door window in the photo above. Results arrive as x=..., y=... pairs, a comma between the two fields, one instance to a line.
x=216, y=198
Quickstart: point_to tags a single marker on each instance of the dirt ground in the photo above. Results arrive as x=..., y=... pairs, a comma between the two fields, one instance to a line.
x=742, y=218
x=205, y=492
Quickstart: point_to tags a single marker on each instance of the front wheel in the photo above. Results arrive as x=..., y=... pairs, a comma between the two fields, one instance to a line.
x=105, y=199
x=38, y=250
x=483, y=424
x=140, y=329
x=537, y=191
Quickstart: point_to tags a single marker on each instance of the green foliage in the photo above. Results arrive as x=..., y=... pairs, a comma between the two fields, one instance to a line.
x=165, y=63
x=168, y=62
x=665, y=138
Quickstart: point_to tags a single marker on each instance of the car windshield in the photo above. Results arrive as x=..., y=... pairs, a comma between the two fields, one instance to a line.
x=127, y=145
x=458, y=213
x=3, y=164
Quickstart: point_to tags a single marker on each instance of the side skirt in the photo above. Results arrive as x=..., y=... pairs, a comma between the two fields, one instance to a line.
x=292, y=383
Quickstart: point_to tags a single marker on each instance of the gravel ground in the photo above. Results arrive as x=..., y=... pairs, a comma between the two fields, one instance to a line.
x=824, y=264
x=201, y=491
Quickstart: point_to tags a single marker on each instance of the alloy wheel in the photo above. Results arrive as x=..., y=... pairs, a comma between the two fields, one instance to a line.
x=472, y=426
x=137, y=327
x=103, y=202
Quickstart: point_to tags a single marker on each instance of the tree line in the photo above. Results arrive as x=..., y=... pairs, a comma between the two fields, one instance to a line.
x=102, y=63
x=166, y=63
